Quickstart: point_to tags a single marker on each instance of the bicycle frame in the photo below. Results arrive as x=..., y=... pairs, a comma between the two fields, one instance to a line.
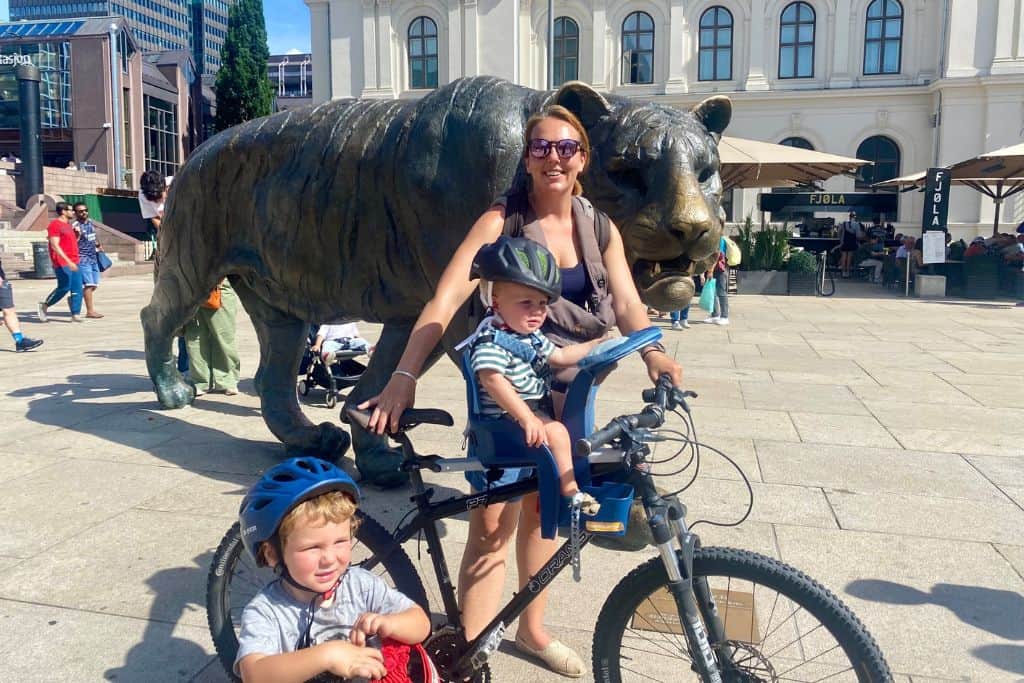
x=666, y=518
x=478, y=650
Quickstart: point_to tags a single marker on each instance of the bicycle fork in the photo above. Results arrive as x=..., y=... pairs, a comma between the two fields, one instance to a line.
x=667, y=522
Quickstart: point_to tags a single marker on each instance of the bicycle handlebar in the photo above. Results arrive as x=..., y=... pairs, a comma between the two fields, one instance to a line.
x=662, y=397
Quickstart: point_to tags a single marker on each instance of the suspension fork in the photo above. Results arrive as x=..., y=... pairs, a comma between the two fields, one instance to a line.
x=666, y=518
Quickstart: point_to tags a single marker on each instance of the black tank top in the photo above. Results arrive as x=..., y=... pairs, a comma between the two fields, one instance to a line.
x=576, y=285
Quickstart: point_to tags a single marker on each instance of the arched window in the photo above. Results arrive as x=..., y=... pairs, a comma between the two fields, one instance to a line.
x=422, y=53
x=567, y=50
x=715, y=51
x=638, y=48
x=802, y=143
x=885, y=158
x=796, y=41
x=883, y=37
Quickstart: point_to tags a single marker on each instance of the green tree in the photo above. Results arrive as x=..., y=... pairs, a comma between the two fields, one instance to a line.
x=243, y=89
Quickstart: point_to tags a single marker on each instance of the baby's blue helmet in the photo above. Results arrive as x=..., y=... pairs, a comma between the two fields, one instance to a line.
x=280, y=489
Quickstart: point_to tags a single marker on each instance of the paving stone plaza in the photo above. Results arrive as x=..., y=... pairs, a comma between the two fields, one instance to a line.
x=884, y=439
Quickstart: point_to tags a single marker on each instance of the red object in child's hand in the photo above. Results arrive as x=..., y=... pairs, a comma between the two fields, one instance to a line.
x=397, y=662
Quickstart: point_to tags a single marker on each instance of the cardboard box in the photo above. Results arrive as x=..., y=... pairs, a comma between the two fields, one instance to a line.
x=659, y=614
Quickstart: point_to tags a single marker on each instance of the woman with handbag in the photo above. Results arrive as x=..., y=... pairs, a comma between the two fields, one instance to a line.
x=719, y=274
x=210, y=337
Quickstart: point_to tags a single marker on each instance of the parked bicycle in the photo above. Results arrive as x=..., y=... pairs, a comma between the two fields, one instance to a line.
x=824, y=284
x=715, y=615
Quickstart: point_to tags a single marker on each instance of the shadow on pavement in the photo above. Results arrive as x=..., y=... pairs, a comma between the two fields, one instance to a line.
x=984, y=608
x=161, y=655
x=119, y=354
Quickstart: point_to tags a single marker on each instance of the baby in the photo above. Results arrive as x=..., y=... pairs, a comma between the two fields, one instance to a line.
x=519, y=277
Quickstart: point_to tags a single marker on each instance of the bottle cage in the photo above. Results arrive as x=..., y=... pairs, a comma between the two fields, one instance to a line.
x=499, y=442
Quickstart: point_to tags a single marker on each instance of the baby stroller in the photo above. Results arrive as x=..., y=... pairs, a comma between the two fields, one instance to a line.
x=343, y=372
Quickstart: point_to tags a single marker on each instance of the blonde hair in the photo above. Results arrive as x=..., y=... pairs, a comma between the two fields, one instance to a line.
x=332, y=507
x=557, y=111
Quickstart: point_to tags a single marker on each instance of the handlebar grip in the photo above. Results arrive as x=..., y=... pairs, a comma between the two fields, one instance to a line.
x=584, y=447
x=650, y=419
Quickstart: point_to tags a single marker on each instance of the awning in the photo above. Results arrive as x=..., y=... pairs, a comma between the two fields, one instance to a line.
x=753, y=163
x=998, y=174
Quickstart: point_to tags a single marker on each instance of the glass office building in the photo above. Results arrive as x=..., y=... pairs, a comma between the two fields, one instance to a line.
x=155, y=125
x=199, y=26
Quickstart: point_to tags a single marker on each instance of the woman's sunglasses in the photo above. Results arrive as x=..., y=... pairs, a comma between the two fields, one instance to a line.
x=541, y=148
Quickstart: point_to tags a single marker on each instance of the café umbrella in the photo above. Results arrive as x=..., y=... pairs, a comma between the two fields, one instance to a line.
x=753, y=163
x=998, y=174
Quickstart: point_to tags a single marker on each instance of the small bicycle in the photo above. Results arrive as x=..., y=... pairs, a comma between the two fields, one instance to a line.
x=714, y=615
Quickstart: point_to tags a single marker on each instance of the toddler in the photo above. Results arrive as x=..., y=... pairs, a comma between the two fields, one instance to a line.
x=317, y=616
x=511, y=357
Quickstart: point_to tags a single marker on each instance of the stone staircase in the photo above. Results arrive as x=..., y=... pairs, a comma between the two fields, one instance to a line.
x=16, y=252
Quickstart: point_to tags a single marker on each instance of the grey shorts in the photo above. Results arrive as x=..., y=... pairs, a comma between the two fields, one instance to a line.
x=6, y=295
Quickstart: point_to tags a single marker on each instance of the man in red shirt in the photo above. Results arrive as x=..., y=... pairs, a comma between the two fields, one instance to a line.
x=64, y=255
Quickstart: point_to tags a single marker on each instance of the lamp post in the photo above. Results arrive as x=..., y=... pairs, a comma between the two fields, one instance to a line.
x=31, y=155
x=115, y=106
x=551, y=44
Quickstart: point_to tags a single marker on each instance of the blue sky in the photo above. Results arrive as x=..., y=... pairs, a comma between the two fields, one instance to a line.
x=287, y=24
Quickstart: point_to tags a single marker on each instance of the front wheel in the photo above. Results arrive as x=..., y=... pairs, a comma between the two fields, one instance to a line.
x=779, y=625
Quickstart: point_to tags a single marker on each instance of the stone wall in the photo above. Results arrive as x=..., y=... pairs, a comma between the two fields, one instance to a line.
x=59, y=181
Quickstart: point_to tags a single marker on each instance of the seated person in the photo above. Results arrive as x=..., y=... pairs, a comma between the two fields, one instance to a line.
x=909, y=250
x=1018, y=256
x=330, y=339
x=317, y=616
x=976, y=248
x=518, y=278
x=873, y=256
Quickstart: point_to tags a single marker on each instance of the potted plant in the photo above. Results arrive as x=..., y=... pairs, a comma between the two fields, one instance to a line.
x=764, y=255
x=802, y=269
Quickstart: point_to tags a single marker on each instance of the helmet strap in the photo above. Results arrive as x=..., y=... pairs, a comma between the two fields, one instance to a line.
x=487, y=293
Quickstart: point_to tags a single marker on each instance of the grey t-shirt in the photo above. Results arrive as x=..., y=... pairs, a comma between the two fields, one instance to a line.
x=272, y=620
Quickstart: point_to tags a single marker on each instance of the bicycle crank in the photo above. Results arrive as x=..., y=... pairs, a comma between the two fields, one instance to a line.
x=444, y=650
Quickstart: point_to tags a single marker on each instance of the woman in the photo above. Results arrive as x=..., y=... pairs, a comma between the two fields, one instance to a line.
x=557, y=153
x=210, y=336
x=720, y=274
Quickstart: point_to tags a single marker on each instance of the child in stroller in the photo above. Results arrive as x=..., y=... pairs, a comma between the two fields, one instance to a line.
x=329, y=360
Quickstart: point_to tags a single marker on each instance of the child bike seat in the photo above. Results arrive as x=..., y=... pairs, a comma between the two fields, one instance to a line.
x=499, y=442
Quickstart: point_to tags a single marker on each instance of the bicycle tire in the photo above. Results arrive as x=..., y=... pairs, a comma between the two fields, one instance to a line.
x=230, y=561
x=825, y=284
x=615, y=650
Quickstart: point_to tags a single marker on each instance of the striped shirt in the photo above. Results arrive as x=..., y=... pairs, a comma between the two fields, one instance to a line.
x=489, y=356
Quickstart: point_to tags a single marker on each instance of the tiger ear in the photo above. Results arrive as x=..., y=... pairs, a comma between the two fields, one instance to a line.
x=586, y=103
x=715, y=113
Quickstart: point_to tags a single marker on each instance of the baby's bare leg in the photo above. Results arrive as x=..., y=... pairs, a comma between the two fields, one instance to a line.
x=558, y=442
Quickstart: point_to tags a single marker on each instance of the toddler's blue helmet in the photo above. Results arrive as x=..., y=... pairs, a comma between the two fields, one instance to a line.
x=280, y=489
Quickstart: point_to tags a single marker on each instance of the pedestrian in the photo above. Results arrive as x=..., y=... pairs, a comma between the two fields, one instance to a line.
x=64, y=255
x=152, y=194
x=21, y=342
x=210, y=337
x=850, y=235
x=88, y=262
x=681, y=319
x=720, y=273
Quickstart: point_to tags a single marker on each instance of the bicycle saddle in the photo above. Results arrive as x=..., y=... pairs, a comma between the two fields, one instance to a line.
x=410, y=418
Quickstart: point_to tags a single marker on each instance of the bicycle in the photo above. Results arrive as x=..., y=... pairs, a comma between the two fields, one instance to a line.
x=691, y=613
x=824, y=284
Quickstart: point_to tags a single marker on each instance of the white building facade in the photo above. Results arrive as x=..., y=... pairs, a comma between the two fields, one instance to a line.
x=906, y=84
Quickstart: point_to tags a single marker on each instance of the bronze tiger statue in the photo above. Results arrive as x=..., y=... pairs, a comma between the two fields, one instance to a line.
x=350, y=210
